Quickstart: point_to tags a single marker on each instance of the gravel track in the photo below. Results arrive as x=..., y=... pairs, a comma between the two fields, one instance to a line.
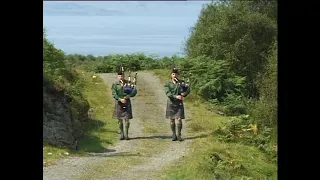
x=150, y=102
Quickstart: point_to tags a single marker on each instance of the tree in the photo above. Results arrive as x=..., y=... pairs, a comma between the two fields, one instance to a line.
x=239, y=32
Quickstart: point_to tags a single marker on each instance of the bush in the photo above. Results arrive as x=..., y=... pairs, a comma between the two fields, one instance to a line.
x=239, y=32
x=265, y=111
x=242, y=129
x=60, y=78
x=235, y=105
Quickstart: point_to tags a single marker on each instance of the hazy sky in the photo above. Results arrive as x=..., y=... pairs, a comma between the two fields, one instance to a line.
x=125, y=8
x=106, y=27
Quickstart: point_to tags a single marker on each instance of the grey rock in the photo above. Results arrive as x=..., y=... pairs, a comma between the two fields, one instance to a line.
x=62, y=126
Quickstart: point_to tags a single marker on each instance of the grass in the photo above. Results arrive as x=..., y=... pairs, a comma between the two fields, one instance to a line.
x=100, y=130
x=237, y=162
x=163, y=75
x=52, y=153
x=210, y=158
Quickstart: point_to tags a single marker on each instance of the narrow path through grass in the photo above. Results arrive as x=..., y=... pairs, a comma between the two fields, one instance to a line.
x=148, y=147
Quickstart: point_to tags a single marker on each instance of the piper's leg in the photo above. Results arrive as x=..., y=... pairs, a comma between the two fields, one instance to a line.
x=179, y=129
x=120, y=122
x=126, y=131
x=173, y=129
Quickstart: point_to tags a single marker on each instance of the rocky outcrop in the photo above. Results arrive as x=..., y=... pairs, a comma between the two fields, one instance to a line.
x=63, y=122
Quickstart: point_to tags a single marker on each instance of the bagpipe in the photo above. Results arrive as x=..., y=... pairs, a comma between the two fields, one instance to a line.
x=128, y=85
x=184, y=85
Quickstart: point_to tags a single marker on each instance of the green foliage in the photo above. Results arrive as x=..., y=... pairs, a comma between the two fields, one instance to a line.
x=53, y=60
x=265, y=109
x=59, y=73
x=234, y=105
x=241, y=129
x=238, y=32
x=232, y=65
x=213, y=81
x=132, y=62
x=220, y=160
x=111, y=63
x=62, y=79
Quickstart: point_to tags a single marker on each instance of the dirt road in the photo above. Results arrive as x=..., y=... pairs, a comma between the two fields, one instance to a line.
x=149, y=150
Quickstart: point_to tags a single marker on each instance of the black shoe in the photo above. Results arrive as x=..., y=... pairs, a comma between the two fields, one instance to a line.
x=127, y=138
x=121, y=137
x=174, y=137
x=179, y=138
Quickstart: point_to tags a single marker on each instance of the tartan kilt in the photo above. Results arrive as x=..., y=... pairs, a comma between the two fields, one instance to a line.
x=175, y=109
x=122, y=111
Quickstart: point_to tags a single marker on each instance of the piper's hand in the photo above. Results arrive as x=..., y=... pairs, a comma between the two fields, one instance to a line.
x=183, y=94
x=127, y=97
x=179, y=97
x=122, y=101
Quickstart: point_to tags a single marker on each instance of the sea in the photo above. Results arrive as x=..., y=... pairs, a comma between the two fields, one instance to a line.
x=158, y=28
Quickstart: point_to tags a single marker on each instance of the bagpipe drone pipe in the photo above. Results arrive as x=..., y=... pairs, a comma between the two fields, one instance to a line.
x=184, y=85
x=128, y=84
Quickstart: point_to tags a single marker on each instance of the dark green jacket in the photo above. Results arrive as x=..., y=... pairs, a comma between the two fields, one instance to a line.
x=172, y=90
x=118, y=92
